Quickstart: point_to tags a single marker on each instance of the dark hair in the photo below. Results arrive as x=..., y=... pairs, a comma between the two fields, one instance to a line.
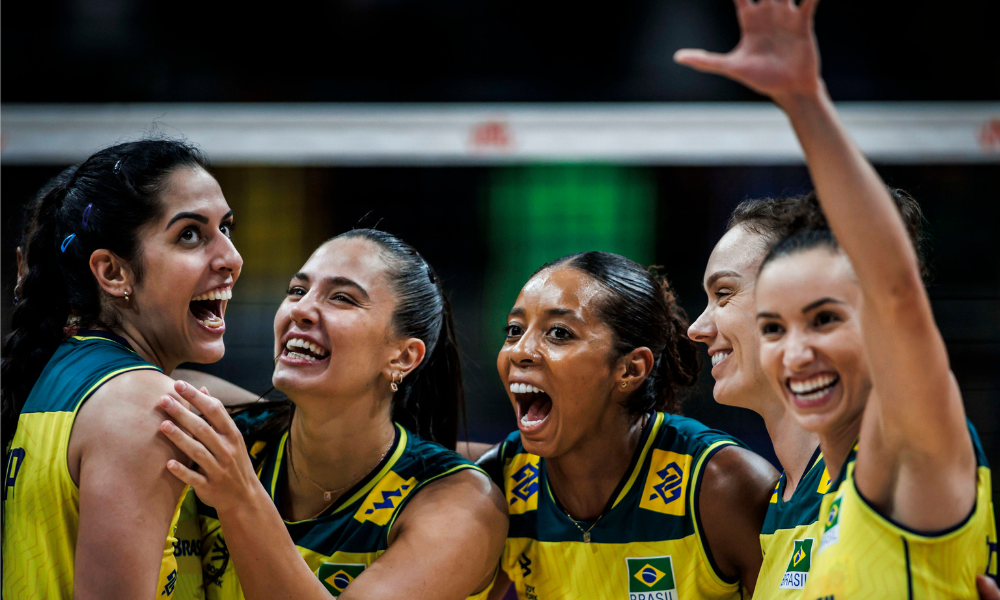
x=431, y=400
x=800, y=241
x=642, y=310
x=778, y=218
x=102, y=203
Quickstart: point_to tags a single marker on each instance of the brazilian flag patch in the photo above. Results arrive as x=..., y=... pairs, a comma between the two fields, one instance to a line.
x=651, y=578
x=798, y=566
x=336, y=577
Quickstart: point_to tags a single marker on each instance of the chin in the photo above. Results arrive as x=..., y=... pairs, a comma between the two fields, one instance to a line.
x=209, y=353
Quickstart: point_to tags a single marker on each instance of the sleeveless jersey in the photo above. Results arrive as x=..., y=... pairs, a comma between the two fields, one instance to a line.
x=40, y=500
x=648, y=544
x=790, y=535
x=350, y=535
x=863, y=554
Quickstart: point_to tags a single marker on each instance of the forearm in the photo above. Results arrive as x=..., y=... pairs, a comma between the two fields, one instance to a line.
x=858, y=207
x=228, y=393
x=267, y=562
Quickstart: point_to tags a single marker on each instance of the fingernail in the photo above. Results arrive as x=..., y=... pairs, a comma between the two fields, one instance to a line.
x=168, y=427
x=172, y=465
x=166, y=402
x=182, y=385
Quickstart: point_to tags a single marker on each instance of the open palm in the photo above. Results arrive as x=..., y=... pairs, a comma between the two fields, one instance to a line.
x=777, y=54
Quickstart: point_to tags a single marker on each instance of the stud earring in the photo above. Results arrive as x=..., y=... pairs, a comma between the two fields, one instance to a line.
x=624, y=384
x=127, y=299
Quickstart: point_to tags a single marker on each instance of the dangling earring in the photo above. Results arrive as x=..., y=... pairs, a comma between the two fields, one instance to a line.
x=624, y=384
x=127, y=299
x=395, y=386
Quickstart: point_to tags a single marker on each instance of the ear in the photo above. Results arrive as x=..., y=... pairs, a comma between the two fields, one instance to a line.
x=112, y=273
x=407, y=356
x=635, y=367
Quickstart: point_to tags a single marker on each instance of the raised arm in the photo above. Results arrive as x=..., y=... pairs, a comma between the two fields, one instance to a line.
x=118, y=457
x=916, y=458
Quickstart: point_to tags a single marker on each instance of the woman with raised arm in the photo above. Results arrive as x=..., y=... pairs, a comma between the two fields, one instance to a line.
x=338, y=496
x=130, y=252
x=611, y=493
x=850, y=342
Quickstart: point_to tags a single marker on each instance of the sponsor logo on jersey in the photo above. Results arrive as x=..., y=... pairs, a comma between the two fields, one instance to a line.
x=187, y=548
x=666, y=483
x=14, y=461
x=525, y=563
x=831, y=528
x=798, y=566
x=336, y=577
x=218, y=561
x=522, y=484
x=168, y=587
x=651, y=578
x=825, y=481
x=382, y=501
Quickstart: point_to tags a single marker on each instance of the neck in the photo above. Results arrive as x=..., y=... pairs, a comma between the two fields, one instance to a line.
x=837, y=443
x=148, y=349
x=793, y=445
x=335, y=444
x=585, y=477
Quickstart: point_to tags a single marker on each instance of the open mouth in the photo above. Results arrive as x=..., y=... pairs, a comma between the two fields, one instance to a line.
x=533, y=405
x=813, y=390
x=208, y=308
x=302, y=350
x=720, y=356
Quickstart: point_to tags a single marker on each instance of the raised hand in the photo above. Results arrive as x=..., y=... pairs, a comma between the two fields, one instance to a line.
x=777, y=54
x=224, y=477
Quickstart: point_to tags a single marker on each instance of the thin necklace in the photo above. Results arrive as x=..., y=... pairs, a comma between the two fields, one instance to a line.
x=586, y=532
x=328, y=495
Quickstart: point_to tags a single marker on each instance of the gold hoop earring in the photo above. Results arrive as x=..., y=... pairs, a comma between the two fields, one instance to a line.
x=624, y=384
x=395, y=386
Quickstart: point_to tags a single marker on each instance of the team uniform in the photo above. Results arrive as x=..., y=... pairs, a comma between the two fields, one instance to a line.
x=40, y=500
x=863, y=554
x=350, y=535
x=791, y=529
x=647, y=545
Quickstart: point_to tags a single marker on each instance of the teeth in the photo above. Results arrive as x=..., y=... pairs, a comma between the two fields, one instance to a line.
x=528, y=423
x=300, y=343
x=300, y=356
x=719, y=357
x=811, y=385
x=212, y=323
x=524, y=388
x=226, y=294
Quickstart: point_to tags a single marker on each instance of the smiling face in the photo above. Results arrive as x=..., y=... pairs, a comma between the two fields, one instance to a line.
x=333, y=332
x=556, y=362
x=728, y=324
x=811, y=346
x=190, y=266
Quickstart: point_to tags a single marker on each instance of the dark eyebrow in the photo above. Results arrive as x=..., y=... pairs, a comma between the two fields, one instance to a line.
x=561, y=312
x=189, y=215
x=719, y=275
x=339, y=281
x=767, y=315
x=515, y=312
x=821, y=302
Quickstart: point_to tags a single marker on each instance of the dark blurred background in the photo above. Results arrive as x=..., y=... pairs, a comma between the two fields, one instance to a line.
x=486, y=228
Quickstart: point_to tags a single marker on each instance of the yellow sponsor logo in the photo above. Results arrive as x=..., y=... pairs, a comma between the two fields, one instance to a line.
x=521, y=483
x=382, y=501
x=667, y=483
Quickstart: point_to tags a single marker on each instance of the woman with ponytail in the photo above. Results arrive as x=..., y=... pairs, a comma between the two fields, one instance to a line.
x=121, y=252
x=612, y=494
x=348, y=490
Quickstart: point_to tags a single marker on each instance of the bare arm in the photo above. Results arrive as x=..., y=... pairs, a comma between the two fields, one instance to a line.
x=228, y=393
x=735, y=492
x=269, y=565
x=472, y=450
x=127, y=497
x=916, y=459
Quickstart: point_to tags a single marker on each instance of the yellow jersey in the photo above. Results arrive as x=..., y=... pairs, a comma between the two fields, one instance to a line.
x=648, y=544
x=339, y=544
x=41, y=502
x=863, y=554
x=790, y=535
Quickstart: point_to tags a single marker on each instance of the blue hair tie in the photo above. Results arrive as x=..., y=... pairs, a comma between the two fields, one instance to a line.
x=69, y=238
x=86, y=214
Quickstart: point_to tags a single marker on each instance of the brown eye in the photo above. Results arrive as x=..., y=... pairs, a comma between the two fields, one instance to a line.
x=826, y=318
x=771, y=329
x=560, y=333
x=512, y=331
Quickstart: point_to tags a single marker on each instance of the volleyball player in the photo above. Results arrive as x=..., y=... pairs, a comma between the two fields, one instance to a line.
x=336, y=496
x=849, y=341
x=610, y=492
x=123, y=249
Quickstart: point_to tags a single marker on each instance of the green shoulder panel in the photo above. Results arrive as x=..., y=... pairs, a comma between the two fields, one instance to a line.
x=79, y=366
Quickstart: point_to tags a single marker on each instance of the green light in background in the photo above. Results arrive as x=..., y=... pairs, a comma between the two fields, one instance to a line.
x=537, y=214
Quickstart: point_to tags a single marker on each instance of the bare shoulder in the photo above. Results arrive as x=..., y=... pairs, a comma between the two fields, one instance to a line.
x=734, y=470
x=469, y=487
x=121, y=419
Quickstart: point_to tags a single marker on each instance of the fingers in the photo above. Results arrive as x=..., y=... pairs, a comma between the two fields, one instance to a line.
x=186, y=475
x=709, y=62
x=194, y=449
x=192, y=423
x=987, y=587
x=212, y=409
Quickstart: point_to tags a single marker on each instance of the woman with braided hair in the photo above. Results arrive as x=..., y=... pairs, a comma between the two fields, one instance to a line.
x=131, y=252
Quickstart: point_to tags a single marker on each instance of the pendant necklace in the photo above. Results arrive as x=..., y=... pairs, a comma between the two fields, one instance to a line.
x=328, y=495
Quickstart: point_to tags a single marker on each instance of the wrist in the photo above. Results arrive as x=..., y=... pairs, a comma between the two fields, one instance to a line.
x=803, y=102
x=249, y=508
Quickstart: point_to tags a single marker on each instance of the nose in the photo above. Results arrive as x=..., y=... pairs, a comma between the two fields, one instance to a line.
x=228, y=260
x=304, y=312
x=703, y=329
x=798, y=351
x=525, y=351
